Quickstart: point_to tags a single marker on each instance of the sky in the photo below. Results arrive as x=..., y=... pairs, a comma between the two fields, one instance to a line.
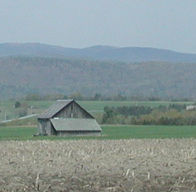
x=164, y=24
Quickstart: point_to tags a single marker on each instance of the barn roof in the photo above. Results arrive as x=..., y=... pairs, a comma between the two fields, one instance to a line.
x=73, y=124
x=54, y=109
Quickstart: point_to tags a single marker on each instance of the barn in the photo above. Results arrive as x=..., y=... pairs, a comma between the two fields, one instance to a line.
x=65, y=118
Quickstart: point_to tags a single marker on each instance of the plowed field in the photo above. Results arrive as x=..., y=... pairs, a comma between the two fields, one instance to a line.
x=88, y=166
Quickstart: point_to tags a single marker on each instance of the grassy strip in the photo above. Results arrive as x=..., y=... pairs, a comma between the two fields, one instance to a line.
x=109, y=132
x=149, y=132
x=17, y=133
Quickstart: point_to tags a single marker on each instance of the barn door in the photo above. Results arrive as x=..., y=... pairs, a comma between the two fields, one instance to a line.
x=44, y=126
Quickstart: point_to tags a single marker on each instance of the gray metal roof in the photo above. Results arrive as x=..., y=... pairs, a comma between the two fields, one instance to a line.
x=73, y=124
x=55, y=108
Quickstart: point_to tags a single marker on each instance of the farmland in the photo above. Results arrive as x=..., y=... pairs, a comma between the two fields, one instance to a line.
x=99, y=165
x=124, y=158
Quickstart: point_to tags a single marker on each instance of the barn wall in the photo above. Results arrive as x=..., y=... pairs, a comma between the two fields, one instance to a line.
x=44, y=127
x=53, y=131
x=49, y=127
x=73, y=111
x=78, y=133
x=39, y=126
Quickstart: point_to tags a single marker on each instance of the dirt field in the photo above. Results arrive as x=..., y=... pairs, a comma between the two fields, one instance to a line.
x=89, y=166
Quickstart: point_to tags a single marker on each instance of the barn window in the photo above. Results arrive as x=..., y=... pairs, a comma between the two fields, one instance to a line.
x=72, y=111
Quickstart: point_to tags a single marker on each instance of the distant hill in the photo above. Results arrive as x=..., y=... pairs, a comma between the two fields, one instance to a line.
x=21, y=75
x=126, y=54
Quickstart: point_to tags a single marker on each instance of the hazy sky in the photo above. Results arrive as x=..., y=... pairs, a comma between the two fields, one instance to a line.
x=167, y=24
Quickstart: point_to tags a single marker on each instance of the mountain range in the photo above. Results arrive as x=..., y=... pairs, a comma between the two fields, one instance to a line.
x=106, y=53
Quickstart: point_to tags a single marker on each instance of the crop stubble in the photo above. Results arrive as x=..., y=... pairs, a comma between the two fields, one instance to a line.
x=93, y=165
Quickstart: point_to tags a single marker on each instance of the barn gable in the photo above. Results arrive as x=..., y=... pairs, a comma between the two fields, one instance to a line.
x=67, y=117
x=65, y=109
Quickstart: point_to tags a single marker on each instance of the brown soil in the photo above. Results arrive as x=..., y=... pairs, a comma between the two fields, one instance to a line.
x=89, y=166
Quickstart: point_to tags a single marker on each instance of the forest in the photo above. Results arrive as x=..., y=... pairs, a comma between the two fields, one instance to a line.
x=22, y=75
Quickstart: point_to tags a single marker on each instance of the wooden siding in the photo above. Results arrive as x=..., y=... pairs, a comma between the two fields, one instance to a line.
x=78, y=133
x=72, y=111
x=45, y=127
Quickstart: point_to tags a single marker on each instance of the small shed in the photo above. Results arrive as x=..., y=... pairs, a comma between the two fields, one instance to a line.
x=66, y=117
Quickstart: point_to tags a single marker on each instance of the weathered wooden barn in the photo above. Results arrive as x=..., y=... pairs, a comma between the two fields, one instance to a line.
x=66, y=117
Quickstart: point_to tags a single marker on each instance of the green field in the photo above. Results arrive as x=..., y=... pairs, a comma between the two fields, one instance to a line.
x=108, y=132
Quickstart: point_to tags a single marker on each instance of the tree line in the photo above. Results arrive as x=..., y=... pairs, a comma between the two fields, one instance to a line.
x=94, y=97
x=173, y=114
